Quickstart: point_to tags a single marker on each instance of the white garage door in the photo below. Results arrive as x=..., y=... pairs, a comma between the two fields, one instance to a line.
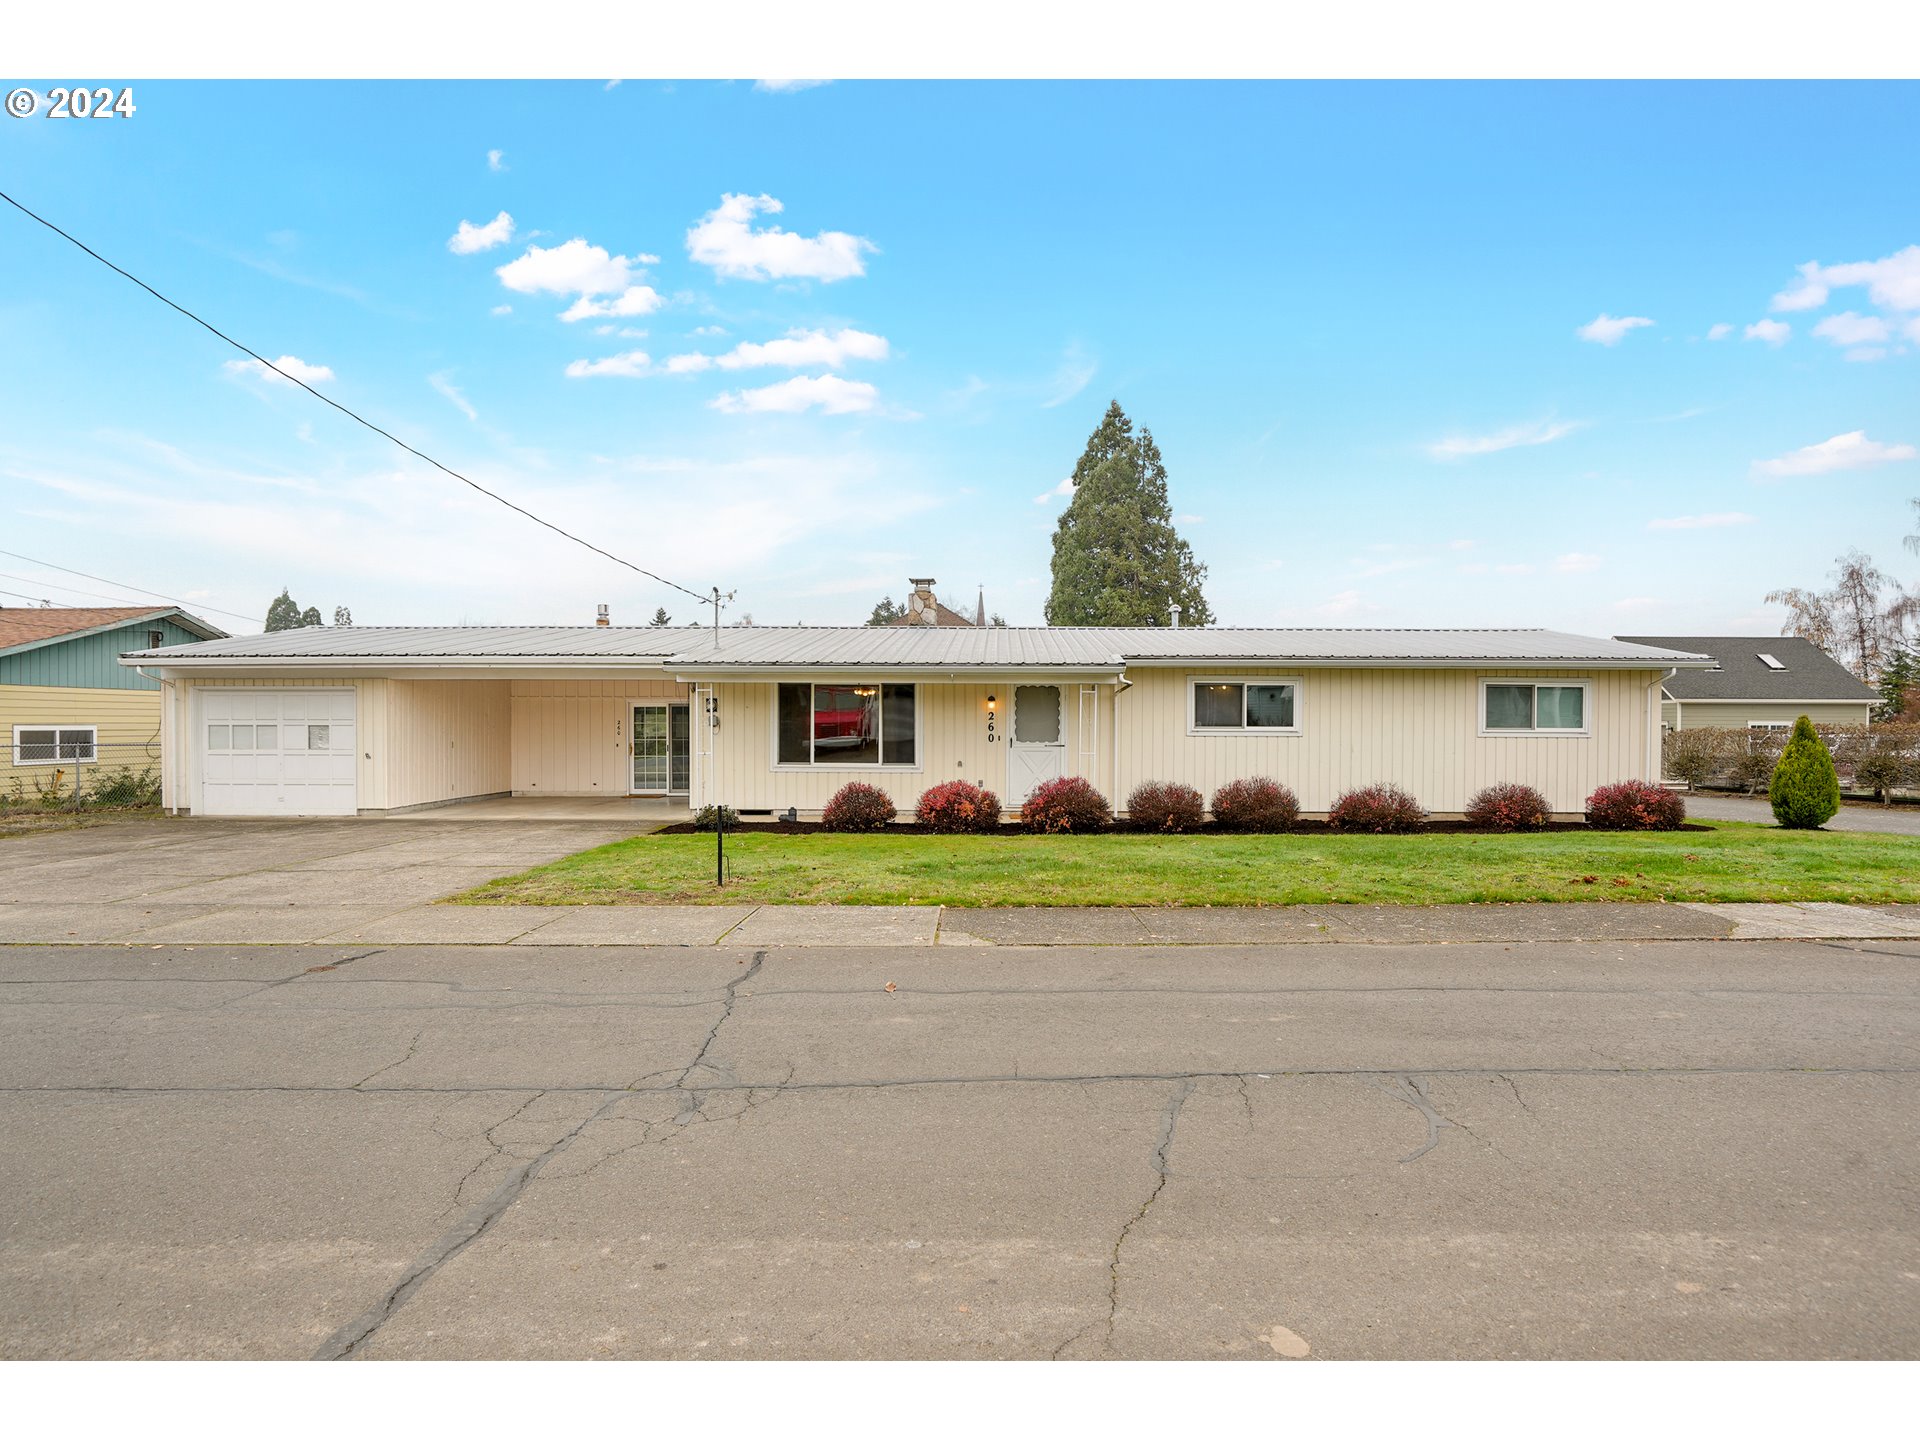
x=277, y=752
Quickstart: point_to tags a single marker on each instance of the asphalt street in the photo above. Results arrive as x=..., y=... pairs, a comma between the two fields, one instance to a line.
x=1557, y=1149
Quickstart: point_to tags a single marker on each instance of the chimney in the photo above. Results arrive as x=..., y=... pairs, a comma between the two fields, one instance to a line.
x=922, y=608
x=601, y=619
x=1175, y=608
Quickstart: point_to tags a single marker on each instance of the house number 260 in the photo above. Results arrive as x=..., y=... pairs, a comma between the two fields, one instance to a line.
x=993, y=732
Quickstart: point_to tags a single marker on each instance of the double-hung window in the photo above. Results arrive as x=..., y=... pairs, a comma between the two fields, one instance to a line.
x=1244, y=706
x=52, y=744
x=1525, y=707
x=845, y=723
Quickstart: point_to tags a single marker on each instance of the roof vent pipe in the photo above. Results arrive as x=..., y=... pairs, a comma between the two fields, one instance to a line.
x=601, y=619
x=1175, y=608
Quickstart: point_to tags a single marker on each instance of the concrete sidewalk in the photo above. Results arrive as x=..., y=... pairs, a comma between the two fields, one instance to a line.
x=764, y=926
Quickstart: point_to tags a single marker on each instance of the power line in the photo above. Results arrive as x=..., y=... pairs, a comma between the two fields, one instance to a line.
x=120, y=585
x=118, y=600
x=293, y=379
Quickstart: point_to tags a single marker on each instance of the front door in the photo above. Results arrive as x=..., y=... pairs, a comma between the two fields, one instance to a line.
x=1037, y=744
x=662, y=749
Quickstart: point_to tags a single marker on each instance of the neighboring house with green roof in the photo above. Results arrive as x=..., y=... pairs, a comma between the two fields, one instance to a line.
x=1758, y=682
x=65, y=699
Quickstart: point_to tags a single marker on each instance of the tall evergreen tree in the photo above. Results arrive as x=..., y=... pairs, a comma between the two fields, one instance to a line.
x=886, y=612
x=660, y=617
x=285, y=614
x=1117, y=559
x=1899, y=686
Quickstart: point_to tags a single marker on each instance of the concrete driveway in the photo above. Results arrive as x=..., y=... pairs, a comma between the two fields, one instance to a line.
x=1884, y=820
x=1564, y=1149
x=270, y=881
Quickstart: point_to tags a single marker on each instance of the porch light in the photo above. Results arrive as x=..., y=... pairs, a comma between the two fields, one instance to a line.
x=991, y=702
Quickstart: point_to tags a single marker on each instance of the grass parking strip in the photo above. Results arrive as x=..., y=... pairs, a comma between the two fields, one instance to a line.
x=1731, y=862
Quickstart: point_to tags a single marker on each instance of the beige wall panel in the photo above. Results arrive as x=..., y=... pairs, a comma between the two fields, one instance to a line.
x=572, y=737
x=444, y=740
x=1416, y=728
x=1702, y=714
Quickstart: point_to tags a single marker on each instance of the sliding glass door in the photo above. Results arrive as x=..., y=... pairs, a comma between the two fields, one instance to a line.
x=662, y=749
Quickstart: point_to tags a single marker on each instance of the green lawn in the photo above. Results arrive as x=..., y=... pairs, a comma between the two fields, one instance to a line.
x=1732, y=862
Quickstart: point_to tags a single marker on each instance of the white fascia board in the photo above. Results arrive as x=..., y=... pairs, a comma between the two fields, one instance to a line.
x=1356, y=662
x=240, y=664
x=929, y=674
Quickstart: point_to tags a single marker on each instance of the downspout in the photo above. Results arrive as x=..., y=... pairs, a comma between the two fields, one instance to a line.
x=1655, y=762
x=1123, y=683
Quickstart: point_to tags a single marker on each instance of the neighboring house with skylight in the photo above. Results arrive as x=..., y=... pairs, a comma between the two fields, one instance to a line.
x=1759, y=682
x=66, y=701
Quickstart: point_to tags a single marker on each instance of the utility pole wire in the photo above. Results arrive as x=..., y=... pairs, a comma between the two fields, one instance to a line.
x=118, y=585
x=255, y=355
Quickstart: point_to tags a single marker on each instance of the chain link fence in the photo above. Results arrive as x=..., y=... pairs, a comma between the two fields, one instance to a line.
x=61, y=770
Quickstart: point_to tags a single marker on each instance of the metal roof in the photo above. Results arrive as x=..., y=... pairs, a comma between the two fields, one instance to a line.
x=1807, y=673
x=924, y=647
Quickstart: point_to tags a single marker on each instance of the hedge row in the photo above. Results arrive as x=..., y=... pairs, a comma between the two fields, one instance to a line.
x=1882, y=759
x=1071, y=805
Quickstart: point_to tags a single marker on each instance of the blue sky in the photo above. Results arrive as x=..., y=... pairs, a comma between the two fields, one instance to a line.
x=1351, y=315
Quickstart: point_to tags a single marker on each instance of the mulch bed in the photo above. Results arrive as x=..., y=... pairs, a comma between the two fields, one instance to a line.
x=1122, y=827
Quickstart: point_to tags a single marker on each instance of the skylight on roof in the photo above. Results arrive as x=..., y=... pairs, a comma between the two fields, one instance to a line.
x=1771, y=663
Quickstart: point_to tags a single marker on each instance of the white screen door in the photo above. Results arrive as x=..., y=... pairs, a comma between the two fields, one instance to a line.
x=1036, y=746
x=662, y=749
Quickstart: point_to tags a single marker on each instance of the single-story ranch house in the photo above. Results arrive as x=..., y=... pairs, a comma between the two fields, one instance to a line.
x=1759, y=682
x=364, y=719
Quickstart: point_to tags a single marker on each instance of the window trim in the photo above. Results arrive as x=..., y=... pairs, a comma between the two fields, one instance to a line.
x=92, y=757
x=1244, y=680
x=1533, y=731
x=816, y=767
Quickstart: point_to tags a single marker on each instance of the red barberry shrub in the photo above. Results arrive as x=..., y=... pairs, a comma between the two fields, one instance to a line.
x=958, y=808
x=1509, y=807
x=1065, y=805
x=1161, y=805
x=858, y=806
x=1635, y=805
x=1256, y=805
x=1376, y=810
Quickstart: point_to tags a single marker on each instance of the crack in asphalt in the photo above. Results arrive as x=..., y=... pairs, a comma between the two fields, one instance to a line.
x=342, y=1344
x=1412, y=1090
x=1169, y=1121
x=1277, y=1072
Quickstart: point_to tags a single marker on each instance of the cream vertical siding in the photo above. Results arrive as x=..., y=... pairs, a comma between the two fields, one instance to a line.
x=442, y=740
x=951, y=744
x=1419, y=729
x=1415, y=728
x=126, y=725
x=572, y=737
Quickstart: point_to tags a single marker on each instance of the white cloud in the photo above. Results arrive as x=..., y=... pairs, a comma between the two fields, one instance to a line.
x=786, y=87
x=1851, y=451
x=293, y=365
x=1064, y=490
x=1606, y=329
x=705, y=331
x=1541, y=432
x=800, y=348
x=1774, y=332
x=1514, y=569
x=634, y=300
x=726, y=241
x=502, y=310
x=1893, y=282
x=631, y=363
x=1346, y=605
x=1867, y=354
x=574, y=268
x=1574, y=563
x=1716, y=521
x=470, y=238
x=1719, y=332
x=831, y=394
x=1075, y=373
x=1850, y=328
x=452, y=392
x=496, y=160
